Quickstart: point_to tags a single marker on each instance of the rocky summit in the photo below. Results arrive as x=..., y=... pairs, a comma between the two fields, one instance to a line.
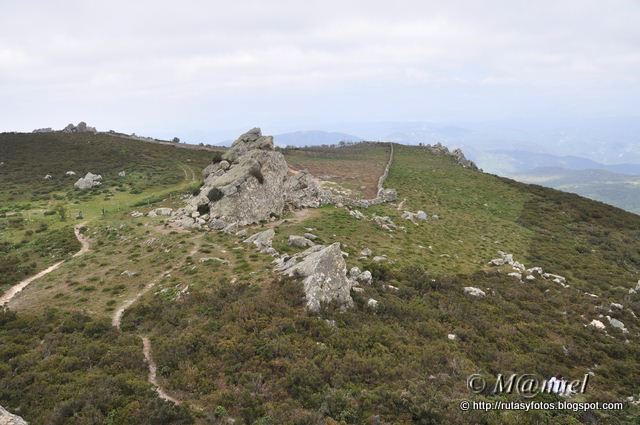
x=249, y=184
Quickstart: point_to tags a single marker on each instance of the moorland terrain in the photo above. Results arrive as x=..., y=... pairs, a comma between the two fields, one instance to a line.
x=230, y=339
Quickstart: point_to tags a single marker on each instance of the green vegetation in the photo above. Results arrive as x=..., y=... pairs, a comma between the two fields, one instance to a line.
x=232, y=339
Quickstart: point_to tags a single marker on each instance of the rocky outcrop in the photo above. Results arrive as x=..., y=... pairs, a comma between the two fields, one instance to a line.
x=521, y=272
x=89, y=181
x=251, y=184
x=456, y=154
x=7, y=418
x=43, y=130
x=82, y=127
x=324, y=275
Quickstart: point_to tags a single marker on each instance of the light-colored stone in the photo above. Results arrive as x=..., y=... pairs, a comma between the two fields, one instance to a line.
x=299, y=241
x=597, y=324
x=7, y=418
x=617, y=324
x=371, y=303
x=70, y=173
x=262, y=240
x=365, y=277
x=166, y=212
x=89, y=181
x=324, y=274
x=451, y=337
x=475, y=292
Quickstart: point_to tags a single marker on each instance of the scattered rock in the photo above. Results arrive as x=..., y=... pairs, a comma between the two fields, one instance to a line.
x=413, y=216
x=70, y=173
x=262, y=240
x=48, y=177
x=310, y=236
x=384, y=222
x=136, y=214
x=371, y=303
x=616, y=306
x=475, y=292
x=122, y=174
x=356, y=214
x=451, y=337
x=166, y=212
x=366, y=252
x=129, y=273
x=365, y=277
x=597, y=324
x=379, y=258
x=300, y=241
x=89, y=181
x=617, y=324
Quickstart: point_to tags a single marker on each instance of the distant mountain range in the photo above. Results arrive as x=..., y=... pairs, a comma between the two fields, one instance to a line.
x=510, y=162
x=314, y=137
x=620, y=190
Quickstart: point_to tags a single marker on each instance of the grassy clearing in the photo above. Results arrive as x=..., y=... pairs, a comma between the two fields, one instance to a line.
x=356, y=168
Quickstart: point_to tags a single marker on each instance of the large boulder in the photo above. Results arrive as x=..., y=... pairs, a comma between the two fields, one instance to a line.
x=252, y=184
x=324, y=274
x=89, y=181
x=7, y=418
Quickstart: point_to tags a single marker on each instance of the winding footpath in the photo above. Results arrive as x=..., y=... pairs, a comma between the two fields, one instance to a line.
x=116, y=320
x=17, y=288
x=146, y=350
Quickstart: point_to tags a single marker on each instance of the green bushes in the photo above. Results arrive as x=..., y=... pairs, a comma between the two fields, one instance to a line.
x=71, y=369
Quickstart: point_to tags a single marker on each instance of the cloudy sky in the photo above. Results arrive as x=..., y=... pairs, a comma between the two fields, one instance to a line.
x=208, y=69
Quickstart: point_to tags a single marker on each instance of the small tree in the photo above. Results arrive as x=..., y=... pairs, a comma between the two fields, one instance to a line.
x=176, y=140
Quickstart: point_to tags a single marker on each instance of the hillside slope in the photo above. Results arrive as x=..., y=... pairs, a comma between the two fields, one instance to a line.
x=232, y=339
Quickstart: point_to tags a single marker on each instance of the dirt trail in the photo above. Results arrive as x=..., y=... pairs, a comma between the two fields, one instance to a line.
x=152, y=378
x=146, y=342
x=17, y=288
x=117, y=316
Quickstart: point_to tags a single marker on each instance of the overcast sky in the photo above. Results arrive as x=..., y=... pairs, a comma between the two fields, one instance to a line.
x=211, y=68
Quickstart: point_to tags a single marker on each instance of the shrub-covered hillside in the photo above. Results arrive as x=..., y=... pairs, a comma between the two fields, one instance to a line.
x=233, y=342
